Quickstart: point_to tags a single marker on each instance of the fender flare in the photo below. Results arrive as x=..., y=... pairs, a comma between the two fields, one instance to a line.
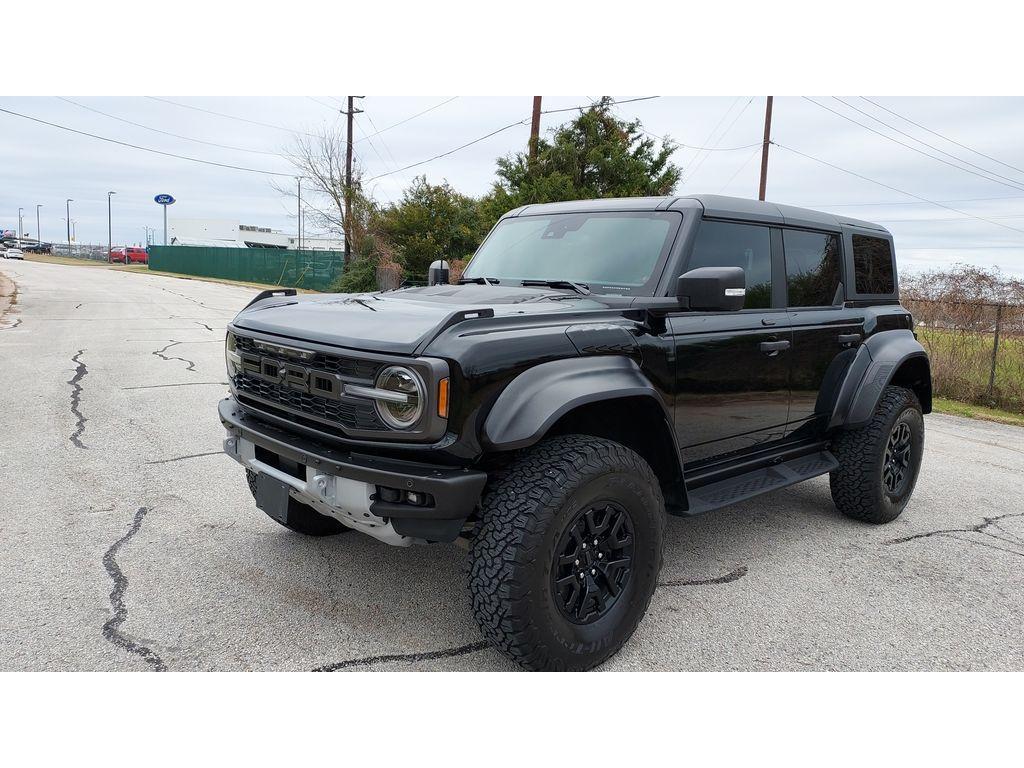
x=877, y=361
x=538, y=397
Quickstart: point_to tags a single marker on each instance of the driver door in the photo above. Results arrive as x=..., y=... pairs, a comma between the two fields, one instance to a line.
x=732, y=387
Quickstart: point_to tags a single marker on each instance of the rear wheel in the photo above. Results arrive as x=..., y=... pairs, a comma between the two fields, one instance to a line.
x=301, y=517
x=567, y=554
x=879, y=462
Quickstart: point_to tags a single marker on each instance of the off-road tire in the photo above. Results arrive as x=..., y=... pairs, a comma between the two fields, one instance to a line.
x=301, y=517
x=857, y=485
x=525, y=511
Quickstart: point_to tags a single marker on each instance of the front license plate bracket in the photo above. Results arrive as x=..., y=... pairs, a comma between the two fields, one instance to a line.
x=272, y=497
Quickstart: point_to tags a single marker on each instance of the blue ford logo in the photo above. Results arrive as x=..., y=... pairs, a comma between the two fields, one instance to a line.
x=164, y=199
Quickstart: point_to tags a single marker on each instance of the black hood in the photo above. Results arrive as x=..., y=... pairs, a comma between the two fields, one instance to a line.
x=398, y=321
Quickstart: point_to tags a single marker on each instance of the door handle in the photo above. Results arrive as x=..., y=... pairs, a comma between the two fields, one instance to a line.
x=849, y=338
x=772, y=348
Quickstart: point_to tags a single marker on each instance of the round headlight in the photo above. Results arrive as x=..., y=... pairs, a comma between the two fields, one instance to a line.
x=400, y=412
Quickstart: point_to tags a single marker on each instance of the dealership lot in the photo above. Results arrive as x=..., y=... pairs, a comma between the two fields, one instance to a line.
x=130, y=542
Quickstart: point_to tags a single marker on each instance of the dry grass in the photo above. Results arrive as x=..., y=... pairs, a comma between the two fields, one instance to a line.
x=960, y=339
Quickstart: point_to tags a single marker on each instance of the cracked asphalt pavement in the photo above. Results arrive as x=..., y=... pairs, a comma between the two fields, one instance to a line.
x=129, y=542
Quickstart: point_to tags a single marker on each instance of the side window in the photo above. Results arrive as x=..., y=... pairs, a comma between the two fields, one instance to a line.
x=812, y=267
x=723, y=244
x=872, y=264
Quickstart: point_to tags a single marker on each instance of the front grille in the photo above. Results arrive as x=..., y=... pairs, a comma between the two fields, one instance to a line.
x=351, y=413
x=353, y=367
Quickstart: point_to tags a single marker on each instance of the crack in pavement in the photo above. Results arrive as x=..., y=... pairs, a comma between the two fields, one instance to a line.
x=189, y=456
x=112, y=628
x=367, y=661
x=76, y=399
x=179, y=384
x=15, y=324
x=160, y=353
x=195, y=301
x=733, y=575
x=985, y=528
x=462, y=650
x=204, y=325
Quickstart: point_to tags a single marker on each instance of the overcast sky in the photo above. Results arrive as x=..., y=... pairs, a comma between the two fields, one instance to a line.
x=43, y=164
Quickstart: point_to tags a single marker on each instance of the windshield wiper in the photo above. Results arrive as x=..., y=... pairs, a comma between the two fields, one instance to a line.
x=581, y=288
x=478, y=280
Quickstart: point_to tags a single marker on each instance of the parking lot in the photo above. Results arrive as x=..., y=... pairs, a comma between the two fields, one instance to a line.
x=130, y=542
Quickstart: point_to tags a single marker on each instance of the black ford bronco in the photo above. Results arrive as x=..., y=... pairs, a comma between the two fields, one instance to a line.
x=600, y=365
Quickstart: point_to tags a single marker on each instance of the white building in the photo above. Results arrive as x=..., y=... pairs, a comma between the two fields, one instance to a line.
x=229, y=233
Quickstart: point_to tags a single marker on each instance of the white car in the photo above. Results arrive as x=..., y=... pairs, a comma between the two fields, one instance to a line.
x=14, y=253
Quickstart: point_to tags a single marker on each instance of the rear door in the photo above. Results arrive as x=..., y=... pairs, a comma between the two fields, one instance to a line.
x=826, y=334
x=732, y=368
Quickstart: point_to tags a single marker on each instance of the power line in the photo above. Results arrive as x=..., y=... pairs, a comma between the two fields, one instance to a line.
x=896, y=189
x=231, y=117
x=610, y=103
x=1016, y=186
x=144, y=149
x=494, y=133
x=946, y=138
x=406, y=120
x=450, y=151
x=925, y=143
x=903, y=203
x=168, y=133
x=697, y=167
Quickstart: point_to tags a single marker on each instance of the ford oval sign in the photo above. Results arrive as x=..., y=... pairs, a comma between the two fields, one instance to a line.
x=164, y=199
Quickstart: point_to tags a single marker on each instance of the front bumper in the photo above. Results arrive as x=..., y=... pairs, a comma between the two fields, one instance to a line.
x=347, y=485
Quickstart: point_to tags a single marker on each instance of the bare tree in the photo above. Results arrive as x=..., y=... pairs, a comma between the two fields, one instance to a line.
x=319, y=158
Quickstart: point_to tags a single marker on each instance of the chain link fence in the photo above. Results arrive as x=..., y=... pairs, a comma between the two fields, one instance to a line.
x=976, y=350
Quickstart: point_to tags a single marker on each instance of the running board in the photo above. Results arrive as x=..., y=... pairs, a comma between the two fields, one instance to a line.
x=751, y=484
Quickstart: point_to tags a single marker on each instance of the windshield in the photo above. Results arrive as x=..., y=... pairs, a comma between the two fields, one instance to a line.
x=618, y=253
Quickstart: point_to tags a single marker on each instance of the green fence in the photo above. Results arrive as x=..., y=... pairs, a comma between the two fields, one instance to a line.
x=316, y=270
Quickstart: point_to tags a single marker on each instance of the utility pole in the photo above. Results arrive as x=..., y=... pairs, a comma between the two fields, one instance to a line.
x=298, y=221
x=352, y=112
x=535, y=128
x=110, y=241
x=21, y=229
x=68, y=203
x=39, y=232
x=764, y=147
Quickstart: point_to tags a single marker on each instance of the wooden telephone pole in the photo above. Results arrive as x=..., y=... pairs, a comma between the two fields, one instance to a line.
x=535, y=128
x=348, y=175
x=764, y=147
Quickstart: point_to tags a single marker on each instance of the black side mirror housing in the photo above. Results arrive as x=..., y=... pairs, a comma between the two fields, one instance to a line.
x=712, y=289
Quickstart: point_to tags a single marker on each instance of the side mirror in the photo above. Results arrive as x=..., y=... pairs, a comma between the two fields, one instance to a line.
x=712, y=289
x=438, y=273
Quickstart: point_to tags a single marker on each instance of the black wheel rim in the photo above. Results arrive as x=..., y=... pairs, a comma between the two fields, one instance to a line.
x=593, y=562
x=896, y=464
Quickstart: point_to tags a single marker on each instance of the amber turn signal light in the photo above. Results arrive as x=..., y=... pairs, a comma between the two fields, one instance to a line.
x=442, y=398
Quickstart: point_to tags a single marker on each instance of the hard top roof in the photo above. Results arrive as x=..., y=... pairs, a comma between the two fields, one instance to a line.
x=714, y=206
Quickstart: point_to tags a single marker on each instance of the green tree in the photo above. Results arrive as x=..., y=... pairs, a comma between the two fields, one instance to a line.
x=594, y=155
x=432, y=221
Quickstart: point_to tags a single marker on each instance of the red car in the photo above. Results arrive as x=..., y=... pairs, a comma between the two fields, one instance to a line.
x=118, y=256
x=136, y=256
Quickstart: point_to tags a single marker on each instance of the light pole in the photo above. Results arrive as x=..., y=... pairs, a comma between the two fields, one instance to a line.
x=67, y=204
x=39, y=234
x=21, y=229
x=110, y=242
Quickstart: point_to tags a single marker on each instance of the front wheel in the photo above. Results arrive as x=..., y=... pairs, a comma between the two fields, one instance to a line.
x=879, y=462
x=567, y=554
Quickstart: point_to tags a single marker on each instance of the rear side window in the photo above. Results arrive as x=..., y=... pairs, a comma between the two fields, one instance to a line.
x=812, y=267
x=872, y=265
x=723, y=244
